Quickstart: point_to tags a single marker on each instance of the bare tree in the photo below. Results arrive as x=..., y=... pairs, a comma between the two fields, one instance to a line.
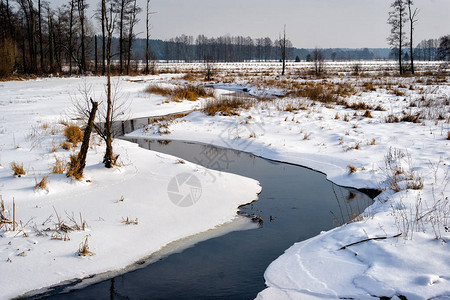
x=82, y=16
x=135, y=10
x=109, y=159
x=318, y=59
x=412, y=14
x=444, y=48
x=209, y=66
x=103, y=12
x=148, y=13
x=41, y=51
x=72, y=8
x=397, y=19
x=282, y=42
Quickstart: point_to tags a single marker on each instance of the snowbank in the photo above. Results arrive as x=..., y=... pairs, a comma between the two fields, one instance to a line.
x=131, y=211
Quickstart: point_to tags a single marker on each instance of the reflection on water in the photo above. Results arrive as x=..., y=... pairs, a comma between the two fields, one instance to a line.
x=295, y=204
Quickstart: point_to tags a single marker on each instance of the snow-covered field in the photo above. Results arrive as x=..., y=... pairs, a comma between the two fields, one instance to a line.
x=381, y=146
x=351, y=143
x=36, y=255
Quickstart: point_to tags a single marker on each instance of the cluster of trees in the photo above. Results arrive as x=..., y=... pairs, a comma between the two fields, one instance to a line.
x=433, y=49
x=38, y=38
x=224, y=49
x=403, y=19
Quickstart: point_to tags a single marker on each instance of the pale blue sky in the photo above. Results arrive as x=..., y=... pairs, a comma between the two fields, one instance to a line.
x=309, y=23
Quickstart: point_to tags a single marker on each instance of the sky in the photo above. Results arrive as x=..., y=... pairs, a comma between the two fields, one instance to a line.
x=309, y=23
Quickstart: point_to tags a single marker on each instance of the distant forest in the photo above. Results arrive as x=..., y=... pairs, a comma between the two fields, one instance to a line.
x=239, y=49
x=36, y=38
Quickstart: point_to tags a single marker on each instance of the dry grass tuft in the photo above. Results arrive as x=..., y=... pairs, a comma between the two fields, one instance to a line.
x=351, y=169
x=66, y=146
x=73, y=134
x=367, y=114
x=73, y=167
x=369, y=86
x=83, y=250
x=129, y=221
x=59, y=167
x=17, y=169
x=41, y=185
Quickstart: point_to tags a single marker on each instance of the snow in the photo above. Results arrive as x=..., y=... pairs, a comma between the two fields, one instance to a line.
x=136, y=191
x=416, y=264
x=327, y=138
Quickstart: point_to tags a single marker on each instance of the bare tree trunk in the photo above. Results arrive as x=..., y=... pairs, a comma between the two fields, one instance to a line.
x=41, y=51
x=283, y=50
x=147, y=40
x=412, y=21
x=103, y=37
x=108, y=158
x=85, y=145
x=50, y=40
x=81, y=13
x=8, y=15
x=133, y=21
x=70, y=36
x=96, y=62
x=400, y=45
x=121, y=25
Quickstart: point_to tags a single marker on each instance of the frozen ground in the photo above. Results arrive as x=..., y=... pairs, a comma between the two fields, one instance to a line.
x=42, y=251
x=399, y=142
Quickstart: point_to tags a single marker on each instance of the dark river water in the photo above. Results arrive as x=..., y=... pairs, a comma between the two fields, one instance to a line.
x=295, y=204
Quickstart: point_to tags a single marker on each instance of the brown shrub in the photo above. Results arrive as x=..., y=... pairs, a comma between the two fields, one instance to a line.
x=17, y=169
x=226, y=106
x=159, y=90
x=73, y=134
x=188, y=92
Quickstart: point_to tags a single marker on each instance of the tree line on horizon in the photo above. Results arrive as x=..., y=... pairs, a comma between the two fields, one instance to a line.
x=36, y=38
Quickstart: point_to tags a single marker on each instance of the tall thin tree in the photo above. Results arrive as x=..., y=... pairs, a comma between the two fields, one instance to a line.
x=103, y=10
x=397, y=39
x=41, y=51
x=282, y=42
x=82, y=16
x=147, y=40
x=412, y=14
x=109, y=26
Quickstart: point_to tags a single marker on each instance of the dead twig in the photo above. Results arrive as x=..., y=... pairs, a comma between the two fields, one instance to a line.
x=369, y=239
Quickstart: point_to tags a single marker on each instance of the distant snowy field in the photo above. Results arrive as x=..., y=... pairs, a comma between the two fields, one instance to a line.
x=353, y=147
